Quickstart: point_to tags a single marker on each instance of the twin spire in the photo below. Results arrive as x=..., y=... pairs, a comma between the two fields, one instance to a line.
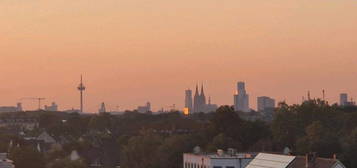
x=202, y=92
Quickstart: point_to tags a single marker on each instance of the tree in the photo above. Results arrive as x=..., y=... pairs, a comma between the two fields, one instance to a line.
x=140, y=152
x=27, y=157
x=67, y=163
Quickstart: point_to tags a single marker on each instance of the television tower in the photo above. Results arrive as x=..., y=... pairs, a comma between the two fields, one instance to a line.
x=81, y=88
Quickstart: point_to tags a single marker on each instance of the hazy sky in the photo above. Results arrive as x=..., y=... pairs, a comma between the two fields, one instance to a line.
x=133, y=51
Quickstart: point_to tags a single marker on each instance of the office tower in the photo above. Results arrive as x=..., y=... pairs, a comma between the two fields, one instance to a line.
x=102, y=108
x=343, y=99
x=265, y=103
x=241, y=99
x=188, y=100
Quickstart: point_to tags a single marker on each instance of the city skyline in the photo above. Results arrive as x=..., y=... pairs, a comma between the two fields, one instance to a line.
x=181, y=103
x=131, y=53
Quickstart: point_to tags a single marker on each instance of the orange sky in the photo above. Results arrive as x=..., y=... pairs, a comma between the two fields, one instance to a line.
x=132, y=51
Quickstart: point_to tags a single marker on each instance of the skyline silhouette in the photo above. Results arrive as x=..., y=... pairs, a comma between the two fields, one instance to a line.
x=132, y=52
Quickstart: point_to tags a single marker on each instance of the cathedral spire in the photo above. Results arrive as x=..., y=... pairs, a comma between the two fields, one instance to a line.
x=196, y=93
x=202, y=92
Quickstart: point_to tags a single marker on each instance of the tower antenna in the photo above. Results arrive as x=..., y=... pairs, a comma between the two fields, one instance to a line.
x=81, y=88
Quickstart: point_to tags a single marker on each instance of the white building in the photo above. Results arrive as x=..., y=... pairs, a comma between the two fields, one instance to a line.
x=16, y=108
x=52, y=107
x=241, y=99
x=265, y=103
x=216, y=160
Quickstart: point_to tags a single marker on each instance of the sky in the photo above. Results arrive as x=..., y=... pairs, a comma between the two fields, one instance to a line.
x=134, y=51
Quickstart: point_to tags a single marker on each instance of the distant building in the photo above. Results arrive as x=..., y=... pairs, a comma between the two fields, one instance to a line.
x=72, y=111
x=52, y=107
x=265, y=103
x=102, y=108
x=188, y=100
x=241, y=99
x=144, y=109
x=17, y=108
x=343, y=99
x=22, y=123
x=210, y=107
x=199, y=101
x=217, y=160
x=288, y=161
x=200, y=104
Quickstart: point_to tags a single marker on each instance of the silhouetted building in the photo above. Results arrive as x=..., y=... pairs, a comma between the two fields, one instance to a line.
x=199, y=100
x=265, y=103
x=200, y=104
x=17, y=108
x=210, y=107
x=144, y=109
x=188, y=100
x=343, y=99
x=241, y=99
x=102, y=108
x=52, y=107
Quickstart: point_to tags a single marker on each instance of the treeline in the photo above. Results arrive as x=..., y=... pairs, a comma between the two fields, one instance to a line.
x=139, y=140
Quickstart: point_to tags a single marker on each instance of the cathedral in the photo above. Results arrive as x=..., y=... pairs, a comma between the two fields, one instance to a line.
x=199, y=101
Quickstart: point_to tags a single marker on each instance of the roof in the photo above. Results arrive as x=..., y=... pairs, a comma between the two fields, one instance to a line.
x=265, y=160
x=46, y=138
x=225, y=156
x=300, y=162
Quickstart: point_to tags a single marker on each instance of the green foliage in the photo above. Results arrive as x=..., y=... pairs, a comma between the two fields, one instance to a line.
x=27, y=157
x=66, y=163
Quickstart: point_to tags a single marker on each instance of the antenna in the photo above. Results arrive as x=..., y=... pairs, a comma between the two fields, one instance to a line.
x=323, y=94
x=308, y=95
x=81, y=88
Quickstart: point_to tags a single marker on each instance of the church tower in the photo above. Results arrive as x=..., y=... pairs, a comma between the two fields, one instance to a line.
x=196, y=101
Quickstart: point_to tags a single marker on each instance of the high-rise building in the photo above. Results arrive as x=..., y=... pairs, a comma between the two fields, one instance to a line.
x=241, y=99
x=188, y=100
x=343, y=99
x=265, y=103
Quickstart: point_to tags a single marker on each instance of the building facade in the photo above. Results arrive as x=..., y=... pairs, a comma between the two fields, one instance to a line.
x=265, y=103
x=188, y=100
x=241, y=98
x=217, y=160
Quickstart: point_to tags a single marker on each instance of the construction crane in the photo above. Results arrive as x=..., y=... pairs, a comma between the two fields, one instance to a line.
x=39, y=99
